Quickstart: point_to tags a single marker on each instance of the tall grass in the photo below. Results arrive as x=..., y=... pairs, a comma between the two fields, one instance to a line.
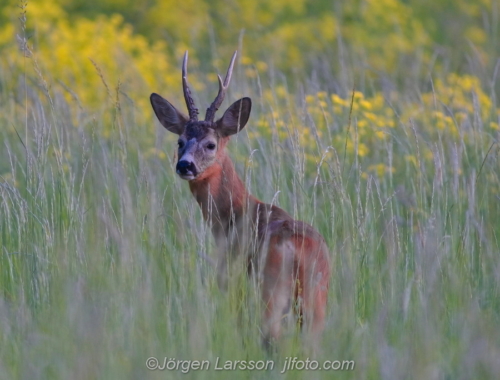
x=104, y=254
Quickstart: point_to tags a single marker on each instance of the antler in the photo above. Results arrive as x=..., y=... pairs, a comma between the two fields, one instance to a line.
x=193, y=111
x=222, y=91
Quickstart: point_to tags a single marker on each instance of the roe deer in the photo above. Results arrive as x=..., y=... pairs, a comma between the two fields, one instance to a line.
x=289, y=257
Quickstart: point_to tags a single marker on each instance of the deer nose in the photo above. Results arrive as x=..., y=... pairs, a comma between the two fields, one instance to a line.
x=184, y=167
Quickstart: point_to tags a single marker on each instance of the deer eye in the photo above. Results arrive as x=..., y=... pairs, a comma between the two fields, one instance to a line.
x=180, y=144
x=211, y=146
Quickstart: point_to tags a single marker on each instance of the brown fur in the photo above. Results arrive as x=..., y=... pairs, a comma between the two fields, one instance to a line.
x=290, y=256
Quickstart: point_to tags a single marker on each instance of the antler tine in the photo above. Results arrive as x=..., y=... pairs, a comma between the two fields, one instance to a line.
x=222, y=91
x=193, y=111
x=230, y=70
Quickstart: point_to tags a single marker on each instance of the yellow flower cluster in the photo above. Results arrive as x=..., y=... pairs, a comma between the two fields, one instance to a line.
x=452, y=108
x=92, y=62
x=370, y=118
x=102, y=61
x=361, y=126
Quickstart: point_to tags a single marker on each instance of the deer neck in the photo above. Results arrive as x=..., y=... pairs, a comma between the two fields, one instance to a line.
x=221, y=194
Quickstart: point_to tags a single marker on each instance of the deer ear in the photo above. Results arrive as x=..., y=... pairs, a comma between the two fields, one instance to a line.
x=168, y=115
x=235, y=118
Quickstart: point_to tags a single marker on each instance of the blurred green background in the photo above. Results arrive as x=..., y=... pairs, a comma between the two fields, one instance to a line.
x=375, y=121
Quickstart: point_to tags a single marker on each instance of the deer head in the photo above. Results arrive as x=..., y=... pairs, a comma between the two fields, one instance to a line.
x=201, y=142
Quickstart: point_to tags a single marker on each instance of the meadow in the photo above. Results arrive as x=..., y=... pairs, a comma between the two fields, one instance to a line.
x=378, y=122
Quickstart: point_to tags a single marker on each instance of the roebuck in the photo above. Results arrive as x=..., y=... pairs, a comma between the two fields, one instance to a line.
x=289, y=257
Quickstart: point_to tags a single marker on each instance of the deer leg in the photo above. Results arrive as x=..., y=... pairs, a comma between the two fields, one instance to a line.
x=315, y=294
x=221, y=264
x=276, y=291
